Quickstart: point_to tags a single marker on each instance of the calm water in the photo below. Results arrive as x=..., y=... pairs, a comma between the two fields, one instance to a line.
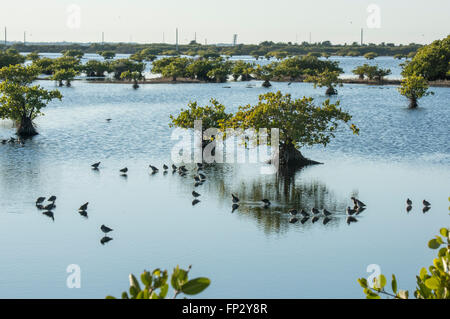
x=253, y=252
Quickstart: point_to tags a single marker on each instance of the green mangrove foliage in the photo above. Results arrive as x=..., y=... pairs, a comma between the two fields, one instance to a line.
x=301, y=123
x=107, y=55
x=143, y=55
x=61, y=75
x=431, y=61
x=370, y=55
x=155, y=284
x=371, y=72
x=122, y=65
x=328, y=79
x=10, y=57
x=132, y=76
x=433, y=283
x=19, y=100
x=414, y=87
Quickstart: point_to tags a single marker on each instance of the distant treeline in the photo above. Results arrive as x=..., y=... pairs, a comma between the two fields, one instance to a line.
x=264, y=49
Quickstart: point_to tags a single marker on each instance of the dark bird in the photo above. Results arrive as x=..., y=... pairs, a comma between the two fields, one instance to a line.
x=315, y=219
x=234, y=207
x=235, y=198
x=50, y=206
x=40, y=200
x=154, y=169
x=195, y=194
x=426, y=209
x=182, y=168
x=83, y=207
x=315, y=211
x=350, y=211
x=95, y=165
x=39, y=206
x=124, y=170
x=105, y=240
x=304, y=213
x=326, y=213
x=426, y=203
x=199, y=165
x=351, y=219
x=195, y=202
x=174, y=167
x=357, y=202
x=293, y=220
x=49, y=214
x=293, y=212
x=105, y=229
x=196, y=178
x=266, y=202
x=326, y=220
x=83, y=213
x=52, y=199
x=408, y=208
x=165, y=167
x=304, y=220
x=289, y=83
x=108, y=120
x=359, y=210
x=197, y=184
x=409, y=202
x=202, y=176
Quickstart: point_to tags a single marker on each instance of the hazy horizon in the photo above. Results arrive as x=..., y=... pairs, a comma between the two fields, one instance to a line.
x=400, y=22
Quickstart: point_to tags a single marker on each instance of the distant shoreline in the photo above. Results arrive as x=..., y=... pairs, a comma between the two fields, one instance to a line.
x=163, y=80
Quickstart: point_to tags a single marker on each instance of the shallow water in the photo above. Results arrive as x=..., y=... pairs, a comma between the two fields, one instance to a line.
x=253, y=252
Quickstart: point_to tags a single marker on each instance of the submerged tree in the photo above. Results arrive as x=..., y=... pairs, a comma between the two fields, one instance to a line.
x=21, y=102
x=300, y=123
x=328, y=79
x=64, y=75
x=107, y=55
x=266, y=73
x=132, y=76
x=10, y=57
x=414, y=87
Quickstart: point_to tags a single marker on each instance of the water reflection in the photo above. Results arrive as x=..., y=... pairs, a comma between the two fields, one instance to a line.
x=105, y=240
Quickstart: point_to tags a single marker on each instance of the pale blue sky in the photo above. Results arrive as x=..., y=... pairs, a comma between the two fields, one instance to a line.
x=339, y=21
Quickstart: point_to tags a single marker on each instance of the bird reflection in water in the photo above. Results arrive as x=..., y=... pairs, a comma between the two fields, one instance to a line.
x=105, y=240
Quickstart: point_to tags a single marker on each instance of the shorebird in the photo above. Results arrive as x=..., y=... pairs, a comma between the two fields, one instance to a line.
x=174, y=167
x=315, y=211
x=195, y=202
x=49, y=214
x=326, y=213
x=95, y=165
x=105, y=229
x=409, y=202
x=293, y=220
x=197, y=184
x=39, y=206
x=425, y=209
x=182, y=168
x=234, y=207
x=202, y=176
x=196, y=178
x=326, y=220
x=293, y=212
x=266, y=202
x=350, y=211
x=235, y=198
x=199, y=165
x=315, y=219
x=40, y=200
x=124, y=170
x=351, y=219
x=195, y=194
x=165, y=167
x=83, y=207
x=154, y=169
x=83, y=213
x=50, y=206
x=426, y=203
x=408, y=208
x=304, y=213
x=357, y=202
x=304, y=220
x=359, y=210
x=52, y=199
x=105, y=239
x=108, y=120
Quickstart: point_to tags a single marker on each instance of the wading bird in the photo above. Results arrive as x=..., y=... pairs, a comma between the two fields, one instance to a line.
x=95, y=165
x=195, y=194
x=83, y=207
x=105, y=229
x=426, y=203
x=235, y=198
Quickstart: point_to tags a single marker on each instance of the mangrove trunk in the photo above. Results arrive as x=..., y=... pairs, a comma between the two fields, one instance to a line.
x=25, y=127
x=291, y=157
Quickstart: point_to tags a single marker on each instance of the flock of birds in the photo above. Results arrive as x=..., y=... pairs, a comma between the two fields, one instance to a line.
x=426, y=205
x=199, y=178
x=50, y=206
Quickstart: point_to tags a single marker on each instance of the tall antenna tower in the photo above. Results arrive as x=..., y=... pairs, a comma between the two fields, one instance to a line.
x=103, y=38
x=235, y=39
x=362, y=36
x=177, y=39
x=24, y=37
x=5, y=36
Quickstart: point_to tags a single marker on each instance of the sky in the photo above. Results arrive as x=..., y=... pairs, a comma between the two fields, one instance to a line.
x=145, y=21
